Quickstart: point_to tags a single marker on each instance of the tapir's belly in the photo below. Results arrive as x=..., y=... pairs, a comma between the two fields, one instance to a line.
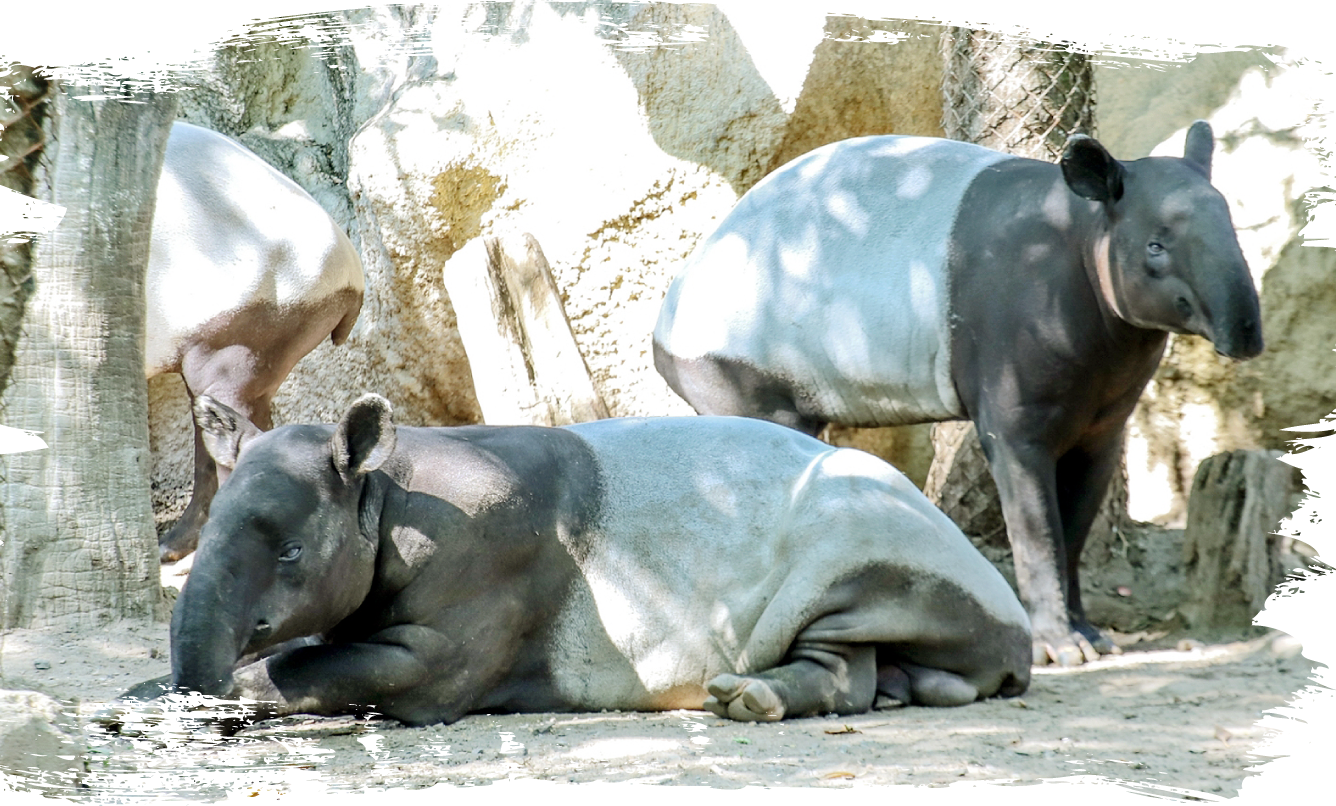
x=831, y=275
x=230, y=233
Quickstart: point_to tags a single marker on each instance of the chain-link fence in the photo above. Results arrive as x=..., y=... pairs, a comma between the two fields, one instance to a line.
x=1020, y=97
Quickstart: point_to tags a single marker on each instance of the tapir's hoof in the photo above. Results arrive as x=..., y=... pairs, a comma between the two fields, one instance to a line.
x=745, y=699
x=1073, y=651
x=1102, y=643
x=174, y=547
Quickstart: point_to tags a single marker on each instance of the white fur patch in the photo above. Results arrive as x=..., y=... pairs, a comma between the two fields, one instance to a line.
x=230, y=231
x=831, y=272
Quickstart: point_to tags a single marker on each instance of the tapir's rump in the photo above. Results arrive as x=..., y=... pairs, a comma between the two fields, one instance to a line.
x=231, y=232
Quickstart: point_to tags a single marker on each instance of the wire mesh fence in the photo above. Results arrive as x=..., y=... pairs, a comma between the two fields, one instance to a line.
x=1024, y=98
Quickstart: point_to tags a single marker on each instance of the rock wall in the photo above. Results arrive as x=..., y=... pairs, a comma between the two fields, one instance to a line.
x=618, y=133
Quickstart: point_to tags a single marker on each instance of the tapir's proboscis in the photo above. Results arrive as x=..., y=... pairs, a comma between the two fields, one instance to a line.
x=247, y=274
x=890, y=280
x=638, y=564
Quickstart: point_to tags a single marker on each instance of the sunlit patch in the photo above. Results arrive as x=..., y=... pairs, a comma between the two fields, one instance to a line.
x=609, y=749
x=846, y=209
x=413, y=546
x=915, y=183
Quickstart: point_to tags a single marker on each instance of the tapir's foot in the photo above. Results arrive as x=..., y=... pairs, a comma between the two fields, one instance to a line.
x=745, y=699
x=893, y=688
x=1102, y=643
x=1065, y=648
x=938, y=688
x=180, y=540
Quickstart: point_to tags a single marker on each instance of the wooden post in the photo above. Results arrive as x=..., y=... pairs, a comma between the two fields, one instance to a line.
x=1231, y=558
x=527, y=368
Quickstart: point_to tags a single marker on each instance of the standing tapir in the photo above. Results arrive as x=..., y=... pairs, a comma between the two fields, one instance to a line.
x=890, y=280
x=641, y=564
x=246, y=274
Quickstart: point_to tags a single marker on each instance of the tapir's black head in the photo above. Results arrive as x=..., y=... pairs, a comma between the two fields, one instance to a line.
x=1170, y=260
x=282, y=555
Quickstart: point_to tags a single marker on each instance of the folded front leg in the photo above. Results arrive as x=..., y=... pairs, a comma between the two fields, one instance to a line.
x=817, y=678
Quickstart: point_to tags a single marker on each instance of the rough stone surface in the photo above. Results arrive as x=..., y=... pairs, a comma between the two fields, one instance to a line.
x=1233, y=560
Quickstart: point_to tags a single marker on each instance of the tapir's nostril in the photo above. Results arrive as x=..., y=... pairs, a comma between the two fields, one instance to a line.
x=262, y=627
x=1183, y=307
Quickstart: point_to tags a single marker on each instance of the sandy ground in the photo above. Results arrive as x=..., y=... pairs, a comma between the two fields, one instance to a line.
x=1179, y=722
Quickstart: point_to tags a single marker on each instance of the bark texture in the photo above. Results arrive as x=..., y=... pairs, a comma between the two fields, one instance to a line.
x=79, y=545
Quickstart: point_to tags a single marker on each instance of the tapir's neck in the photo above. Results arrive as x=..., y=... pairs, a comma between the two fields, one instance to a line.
x=1096, y=234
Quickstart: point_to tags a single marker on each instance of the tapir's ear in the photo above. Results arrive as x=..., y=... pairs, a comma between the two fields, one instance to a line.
x=1091, y=172
x=1200, y=143
x=223, y=429
x=364, y=438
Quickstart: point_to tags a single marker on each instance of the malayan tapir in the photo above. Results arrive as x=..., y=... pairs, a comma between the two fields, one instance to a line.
x=246, y=275
x=889, y=280
x=637, y=564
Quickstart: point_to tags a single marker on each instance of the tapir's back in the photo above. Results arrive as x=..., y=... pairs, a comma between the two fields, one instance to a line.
x=826, y=262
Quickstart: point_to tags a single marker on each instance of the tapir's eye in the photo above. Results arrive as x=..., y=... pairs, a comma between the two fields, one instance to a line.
x=290, y=552
x=1155, y=257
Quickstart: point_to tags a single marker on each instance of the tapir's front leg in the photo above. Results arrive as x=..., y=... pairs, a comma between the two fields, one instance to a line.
x=1083, y=476
x=389, y=674
x=1026, y=483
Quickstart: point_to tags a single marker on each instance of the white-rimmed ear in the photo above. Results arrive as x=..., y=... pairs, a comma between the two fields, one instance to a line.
x=1091, y=172
x=1199, y=145
x=223, y=429
x=364, y=438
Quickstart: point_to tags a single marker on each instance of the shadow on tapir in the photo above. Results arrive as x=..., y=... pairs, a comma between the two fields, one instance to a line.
x=640, y=564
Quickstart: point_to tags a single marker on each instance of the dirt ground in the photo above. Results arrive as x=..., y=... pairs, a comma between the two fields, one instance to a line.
x=1170, y=717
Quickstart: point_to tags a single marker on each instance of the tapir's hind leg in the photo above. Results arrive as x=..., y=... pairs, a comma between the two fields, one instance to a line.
x=818, y=678
x=726, y=387
x=181, y=539
x=242, y=379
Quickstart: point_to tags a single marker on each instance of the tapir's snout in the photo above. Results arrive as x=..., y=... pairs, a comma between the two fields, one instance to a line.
x=1246, y=343
x=1236, y=331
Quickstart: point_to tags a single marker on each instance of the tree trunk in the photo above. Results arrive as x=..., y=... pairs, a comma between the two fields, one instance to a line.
x=79, y=546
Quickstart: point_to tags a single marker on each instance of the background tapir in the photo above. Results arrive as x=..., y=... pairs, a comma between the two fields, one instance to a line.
x=621, y=564
x=246, y=274
x=889, y=280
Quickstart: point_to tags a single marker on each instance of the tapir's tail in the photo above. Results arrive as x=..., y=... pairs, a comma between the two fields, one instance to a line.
x=345, y=326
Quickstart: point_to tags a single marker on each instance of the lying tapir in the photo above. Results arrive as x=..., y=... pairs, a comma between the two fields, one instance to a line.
x=246, y=275
x=892, y=280
x=641, y=564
